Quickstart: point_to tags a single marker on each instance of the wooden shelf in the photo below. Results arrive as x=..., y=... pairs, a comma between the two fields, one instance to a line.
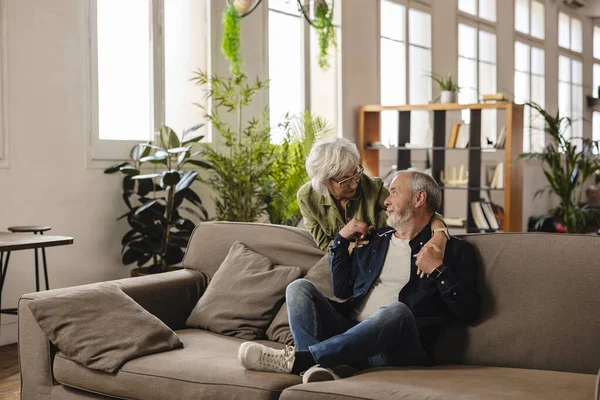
x=369, y=120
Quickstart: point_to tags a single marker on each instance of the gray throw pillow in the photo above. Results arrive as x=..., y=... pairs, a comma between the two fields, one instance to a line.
x=101, y=327
x=244, y=295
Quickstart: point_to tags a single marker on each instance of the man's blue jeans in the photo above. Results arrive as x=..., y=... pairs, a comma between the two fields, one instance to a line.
x=388, y=337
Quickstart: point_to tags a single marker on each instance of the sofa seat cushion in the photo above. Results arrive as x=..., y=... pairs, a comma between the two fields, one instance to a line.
x=205, y=368
x=450, y=382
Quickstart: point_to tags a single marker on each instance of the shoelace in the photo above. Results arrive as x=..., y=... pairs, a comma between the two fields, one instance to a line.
x=278, y=361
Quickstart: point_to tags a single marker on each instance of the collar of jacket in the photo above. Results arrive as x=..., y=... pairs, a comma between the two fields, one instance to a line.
x=415, y=243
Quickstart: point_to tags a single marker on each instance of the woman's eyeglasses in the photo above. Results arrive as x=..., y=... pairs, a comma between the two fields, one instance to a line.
x=345, y=183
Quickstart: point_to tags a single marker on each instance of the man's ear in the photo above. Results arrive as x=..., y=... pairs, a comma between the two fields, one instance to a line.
x=420, y=199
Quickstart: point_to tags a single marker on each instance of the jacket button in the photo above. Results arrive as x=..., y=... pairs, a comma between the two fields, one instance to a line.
x=442, y=282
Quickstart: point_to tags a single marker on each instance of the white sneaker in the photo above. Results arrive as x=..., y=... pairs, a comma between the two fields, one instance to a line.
x=318, y=374
x=258, y=357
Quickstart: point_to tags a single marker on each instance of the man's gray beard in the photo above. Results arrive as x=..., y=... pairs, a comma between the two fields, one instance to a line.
x=397, y=220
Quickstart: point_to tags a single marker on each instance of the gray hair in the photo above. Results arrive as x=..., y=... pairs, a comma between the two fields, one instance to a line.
x=328, y=159
x=421, y=181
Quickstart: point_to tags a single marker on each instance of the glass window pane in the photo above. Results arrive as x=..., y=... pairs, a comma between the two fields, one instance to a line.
x=325, y=84
x=538, y=90
x=537, y=20
x=522, y=16
x=596, y=80
x=419, y=83
x=487, y=46
x=595, y=127
x=419, y=28
x=467, y=80
x=577, y=101
x=564, y=31
x=537, y=61
x=185, y=51
x=538, y=133
x=564, y=69
x=467, y=41
x=420, y=128
x=564, y=99
x=487, y=78
x=521, y=87
x=521, y=57
x=285, y=69
x=389, y=128
x=576, y=72
x=576, y=35
x=487, y=9
x=124, y=72
x=488, y=127
x=596, y=42
x=392, y=20
x=290, y=7
x=393, y=76
x=468, y=6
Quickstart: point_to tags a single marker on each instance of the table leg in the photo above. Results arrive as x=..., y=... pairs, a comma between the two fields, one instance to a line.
x=37, y=272
x=45, y=268
x=3, y=275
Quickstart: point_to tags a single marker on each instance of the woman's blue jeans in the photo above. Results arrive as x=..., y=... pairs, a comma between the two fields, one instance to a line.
x=388, y=337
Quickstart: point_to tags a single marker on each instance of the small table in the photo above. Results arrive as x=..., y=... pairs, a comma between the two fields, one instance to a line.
x=23, y=241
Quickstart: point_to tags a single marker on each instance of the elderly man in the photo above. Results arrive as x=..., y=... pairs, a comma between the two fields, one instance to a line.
x=399, y=293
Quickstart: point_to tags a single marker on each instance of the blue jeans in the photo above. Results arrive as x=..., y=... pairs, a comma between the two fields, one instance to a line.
x=388, y=337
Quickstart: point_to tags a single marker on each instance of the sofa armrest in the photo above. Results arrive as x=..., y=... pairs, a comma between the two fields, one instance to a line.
x=170, y=296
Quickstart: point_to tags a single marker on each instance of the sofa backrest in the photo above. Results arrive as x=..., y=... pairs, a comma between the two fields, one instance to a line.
x=540, y=304
x=284, y=245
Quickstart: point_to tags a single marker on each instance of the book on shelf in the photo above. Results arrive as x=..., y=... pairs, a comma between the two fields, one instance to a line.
x=497, y=179
x=454, y=222
x=501, y=139
x=493, y=97
x=478, y=216
x=487, y=215
x=463, y=136
x=453, y=135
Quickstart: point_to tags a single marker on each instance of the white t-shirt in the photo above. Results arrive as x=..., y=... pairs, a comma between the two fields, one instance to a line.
x=394, y=275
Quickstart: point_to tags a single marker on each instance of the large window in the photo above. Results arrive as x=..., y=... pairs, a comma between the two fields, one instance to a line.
x=405, y=61
x=3, y=99
x=570, y=73
x=484, y=9
x=596, y=84
x=529, y=69
x=296, y=85
x=142, y=58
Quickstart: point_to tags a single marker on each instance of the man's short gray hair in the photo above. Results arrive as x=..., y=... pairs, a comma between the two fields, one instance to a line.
x=330, y=158
x=422, y=181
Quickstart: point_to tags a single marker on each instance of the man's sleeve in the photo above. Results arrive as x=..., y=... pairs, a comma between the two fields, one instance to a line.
x=457, y=284
x=341, y=267
x=311, y=223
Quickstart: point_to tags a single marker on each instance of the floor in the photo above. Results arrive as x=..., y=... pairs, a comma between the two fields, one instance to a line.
x=10, y=382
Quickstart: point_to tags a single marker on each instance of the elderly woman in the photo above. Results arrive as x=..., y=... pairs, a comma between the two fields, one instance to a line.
x=339, y=191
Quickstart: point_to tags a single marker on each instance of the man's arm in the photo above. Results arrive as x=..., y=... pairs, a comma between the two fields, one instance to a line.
x=310, y=222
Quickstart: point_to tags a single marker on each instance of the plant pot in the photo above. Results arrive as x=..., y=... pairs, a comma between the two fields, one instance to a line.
x=241, y=6
x=448, y=97
x=143, y=271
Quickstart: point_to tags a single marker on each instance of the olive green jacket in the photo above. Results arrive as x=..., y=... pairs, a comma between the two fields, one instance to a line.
x=323, y=218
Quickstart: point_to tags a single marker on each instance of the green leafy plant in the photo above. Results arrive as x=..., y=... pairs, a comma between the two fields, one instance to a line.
x=158, y=201
x=242, y=174
x=230, y=46
x=566, y=167
x=445, y=83
x=301, y=132
x=323, y=23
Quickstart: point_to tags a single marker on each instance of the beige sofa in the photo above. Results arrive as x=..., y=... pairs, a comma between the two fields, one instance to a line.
x=538, y=336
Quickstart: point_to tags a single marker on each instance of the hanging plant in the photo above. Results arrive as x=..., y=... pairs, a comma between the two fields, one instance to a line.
x=323, y=23
x=230, y=46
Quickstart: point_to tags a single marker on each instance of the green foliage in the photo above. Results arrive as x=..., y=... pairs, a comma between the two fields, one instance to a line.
x=566, y=168
x=323, y=23
x=230, y=46
x=242, y=175
x=159, y=232
x=445, y=83
x=289, y=171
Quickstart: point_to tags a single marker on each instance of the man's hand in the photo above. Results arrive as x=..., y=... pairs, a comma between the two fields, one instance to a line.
x=356, y=229
x=429, y=258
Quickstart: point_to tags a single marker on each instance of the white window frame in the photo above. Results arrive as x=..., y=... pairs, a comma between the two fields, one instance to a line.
x=101, y=153
x=595, y=94
x=4, y=145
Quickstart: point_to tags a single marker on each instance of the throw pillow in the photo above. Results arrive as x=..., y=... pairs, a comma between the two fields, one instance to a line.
x=320, y=275
x=101, y=327
x=244, y=295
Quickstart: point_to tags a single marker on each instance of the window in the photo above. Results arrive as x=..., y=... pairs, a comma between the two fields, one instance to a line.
x=402, y=63
x=569, y=33
x=142, y=58
x=529, y=18
x=292, y=89
x=477, y=73
x=484, y=9
x=3, y=83
x=596, y=84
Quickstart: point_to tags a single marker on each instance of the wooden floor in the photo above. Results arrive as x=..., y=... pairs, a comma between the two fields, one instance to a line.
x=10, y=382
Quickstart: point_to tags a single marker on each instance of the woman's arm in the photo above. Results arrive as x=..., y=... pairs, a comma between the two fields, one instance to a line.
x=439, y=238
x=310, y=222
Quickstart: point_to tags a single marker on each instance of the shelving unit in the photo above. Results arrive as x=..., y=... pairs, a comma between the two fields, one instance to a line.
x=369, y=132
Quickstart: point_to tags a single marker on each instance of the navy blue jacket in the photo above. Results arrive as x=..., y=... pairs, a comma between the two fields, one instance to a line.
x=433, y=302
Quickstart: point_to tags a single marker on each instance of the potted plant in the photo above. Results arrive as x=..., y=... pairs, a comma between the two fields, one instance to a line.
x=566, y=167
x=448, y=87
x=163, y=208
x=323, y=23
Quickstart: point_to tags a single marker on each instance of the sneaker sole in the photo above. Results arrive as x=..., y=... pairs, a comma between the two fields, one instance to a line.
x=318, y=376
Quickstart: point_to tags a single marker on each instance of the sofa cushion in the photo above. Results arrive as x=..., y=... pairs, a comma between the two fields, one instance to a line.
x=244, y=295
x=450, y=382
x=101, y=327
x=205, y=368
x=284, y=245
x=320, y=275
x=538, y=301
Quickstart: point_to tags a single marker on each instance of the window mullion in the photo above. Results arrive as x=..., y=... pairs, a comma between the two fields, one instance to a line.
x=306, y=58
x=157, y=55
x=406, y=56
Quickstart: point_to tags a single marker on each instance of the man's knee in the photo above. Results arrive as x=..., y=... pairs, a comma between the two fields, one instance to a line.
x=395, y=313
x=300, y=288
